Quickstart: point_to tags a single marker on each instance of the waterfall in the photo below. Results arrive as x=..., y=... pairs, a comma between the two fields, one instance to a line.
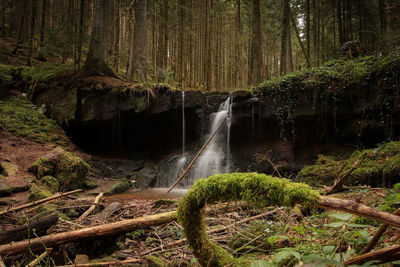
x=216, y=158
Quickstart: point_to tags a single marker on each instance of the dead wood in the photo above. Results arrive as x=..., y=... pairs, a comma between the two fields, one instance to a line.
x=40, y=227
x=35, y=203
x=37, y=261
x=86, y=213
x=372, y=243
x=87, y=233
x=108, y=211
x=295, y=215
x=382, y=255
x=338, y=185
x=2, y=263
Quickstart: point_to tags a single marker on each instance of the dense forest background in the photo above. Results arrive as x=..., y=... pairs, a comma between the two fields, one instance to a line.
x=209, y=44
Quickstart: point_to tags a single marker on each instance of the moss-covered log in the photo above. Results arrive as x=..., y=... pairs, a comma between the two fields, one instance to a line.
x=258, y=189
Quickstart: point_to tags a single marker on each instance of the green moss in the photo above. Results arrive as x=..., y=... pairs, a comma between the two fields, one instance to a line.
x=378, y=166
x=119, y=187
x=153, y=261
x=365, y=85
x=36, y=193
x=258, y=189
x=23, y=119
x=42, y=167
x=71, y=171
x=51, y=183
x=90, y=184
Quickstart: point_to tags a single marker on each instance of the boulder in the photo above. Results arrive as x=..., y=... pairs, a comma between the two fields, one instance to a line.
x=70, y=170
x=146, y=177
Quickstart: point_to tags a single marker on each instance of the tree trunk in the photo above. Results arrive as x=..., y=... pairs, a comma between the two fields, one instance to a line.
x=117, y=37
x=340, y=22
x=382, y=16
x=139, y=62
x=87, y=233
x=21, y=26
x=256, y=45
x=39, y=227
x=32, y=32
x=283, y=61
x=43, y=23
x=96, y=60
x=80, y=32
x=308, y=22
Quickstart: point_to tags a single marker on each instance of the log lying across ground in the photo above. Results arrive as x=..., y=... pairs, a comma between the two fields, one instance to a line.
x=41, y=201
x=39, y=227
x=87, y=233
x=382, y=255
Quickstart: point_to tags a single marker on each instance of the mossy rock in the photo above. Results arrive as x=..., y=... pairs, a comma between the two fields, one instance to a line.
x=42, y=167
x=153, y=261
x=36, y=193
x=8, y=168
x=377, y=167
x=120, y=186
x=70, y=170
x=51, y=183
x=89, y=184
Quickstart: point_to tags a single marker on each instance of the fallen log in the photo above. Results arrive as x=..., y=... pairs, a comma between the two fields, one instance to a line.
x=382, y=255
x=374, y=241
x=35, y=203
x=18, y=233
x=87, y=233
x=108, y=211
x=87, y=213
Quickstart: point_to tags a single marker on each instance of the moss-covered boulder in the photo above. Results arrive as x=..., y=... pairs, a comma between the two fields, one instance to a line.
x=36, y=193
x=153, y=261
x=51, y=183
x=146, y=177
x=378, y=166
x=70, y=170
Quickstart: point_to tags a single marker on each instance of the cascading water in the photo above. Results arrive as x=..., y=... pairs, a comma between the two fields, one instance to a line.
x=181, y=162
x=216, y=158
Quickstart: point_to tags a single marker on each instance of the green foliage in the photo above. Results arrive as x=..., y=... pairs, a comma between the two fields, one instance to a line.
x=378, y=166
x=258, y=189
x=23, y=119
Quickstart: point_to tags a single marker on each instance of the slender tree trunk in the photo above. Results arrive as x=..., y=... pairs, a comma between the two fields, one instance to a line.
x=308, y=22
x=80, y=32
x=130, y=26
x=289, y=42
x=340, y=26
x=256, y=45
x=32, y=32
x=382, y=16
x=21, y=27
x=117, y=37
x=96, y=60
x=139, y=66
x=360, y=21
x=43, y=22
x=283, y=61
x=3, y=17
x=238, y=49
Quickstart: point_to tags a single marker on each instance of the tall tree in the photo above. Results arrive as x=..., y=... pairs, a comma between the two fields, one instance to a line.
x=139, y=60
x=32, y=31
x=284, y=36
x=255, y=76
x=96, y=60
x=382, y=16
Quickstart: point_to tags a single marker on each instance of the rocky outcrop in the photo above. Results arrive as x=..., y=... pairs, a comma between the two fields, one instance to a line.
x=288, y=120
